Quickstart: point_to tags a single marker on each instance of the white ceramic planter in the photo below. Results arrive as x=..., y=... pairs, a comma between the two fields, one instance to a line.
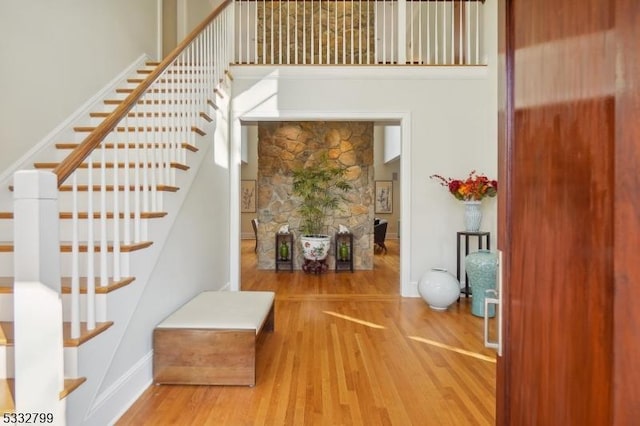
x=315, y=247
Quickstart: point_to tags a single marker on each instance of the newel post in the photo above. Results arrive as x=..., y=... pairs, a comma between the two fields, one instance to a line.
x=39, y=368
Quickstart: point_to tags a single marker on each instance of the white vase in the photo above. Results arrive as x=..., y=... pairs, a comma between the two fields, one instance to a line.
x=439, y=288
x=472, y=216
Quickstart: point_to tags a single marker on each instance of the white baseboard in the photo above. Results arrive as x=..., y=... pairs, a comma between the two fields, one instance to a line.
x=118, y=397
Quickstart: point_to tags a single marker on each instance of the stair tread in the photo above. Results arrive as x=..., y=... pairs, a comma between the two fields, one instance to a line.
x=84, y=333
x=7, y=401
x=87, y=129
x=153, y=102
x=104, y=114
x=109, y=188
x=68, y=341
x=70, y=385
x=132, y=145
x=110, y=165
x=96, y=188
x=162, y=90
x=6, y=285
x=138, y=80
x=7, y=386
x=65, y=246
x=96, y=215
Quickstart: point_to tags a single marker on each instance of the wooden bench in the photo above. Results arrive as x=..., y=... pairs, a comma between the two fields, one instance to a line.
x=211, y=340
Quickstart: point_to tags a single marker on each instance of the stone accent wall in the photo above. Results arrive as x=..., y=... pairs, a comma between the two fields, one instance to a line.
x=285, y=146
x=312, y=40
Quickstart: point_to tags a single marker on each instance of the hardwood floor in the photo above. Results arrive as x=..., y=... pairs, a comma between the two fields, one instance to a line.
x=347, y=350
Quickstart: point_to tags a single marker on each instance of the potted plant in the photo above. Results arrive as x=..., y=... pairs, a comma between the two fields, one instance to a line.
x=320, y=186
x=471, y=191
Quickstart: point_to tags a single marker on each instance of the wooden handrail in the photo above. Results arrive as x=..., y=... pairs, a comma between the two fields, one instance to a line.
x=373, y=1
x=93, y=140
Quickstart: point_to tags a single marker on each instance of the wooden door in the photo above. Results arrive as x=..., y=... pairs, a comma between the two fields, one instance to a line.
x=569, y=216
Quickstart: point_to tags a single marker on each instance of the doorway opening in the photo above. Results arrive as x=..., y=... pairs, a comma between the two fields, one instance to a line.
x=372, y=150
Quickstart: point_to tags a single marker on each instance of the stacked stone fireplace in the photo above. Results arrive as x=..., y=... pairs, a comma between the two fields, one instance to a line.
x=285, y=146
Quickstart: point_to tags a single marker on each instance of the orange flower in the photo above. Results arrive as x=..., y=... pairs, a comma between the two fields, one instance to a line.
x=474, y=188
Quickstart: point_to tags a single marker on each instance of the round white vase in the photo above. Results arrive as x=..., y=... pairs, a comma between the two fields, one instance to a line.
x=439, y=288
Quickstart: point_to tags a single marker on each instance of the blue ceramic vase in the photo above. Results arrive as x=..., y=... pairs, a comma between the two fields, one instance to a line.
x=481, y=268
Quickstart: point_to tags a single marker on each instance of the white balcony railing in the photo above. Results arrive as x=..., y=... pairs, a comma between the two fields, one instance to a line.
x=349, y=32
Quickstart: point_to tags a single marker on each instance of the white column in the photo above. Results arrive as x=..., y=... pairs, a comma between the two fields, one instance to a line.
x=38, y=346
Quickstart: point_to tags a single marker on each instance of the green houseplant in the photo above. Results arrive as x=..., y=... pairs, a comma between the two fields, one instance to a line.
x=320, y=186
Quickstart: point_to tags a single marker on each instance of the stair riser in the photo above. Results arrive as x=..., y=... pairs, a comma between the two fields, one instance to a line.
x=6, y=264
x=7, y=362
x=66, y=197
x=153, y=136
x=154, y=108
x=197, y=107
x=6, y=307
x=135, y=156
x=148, y=121
x=100, y=301
x=159, y=119
x=66, y=228
x=185, y=83
x=82, y=175
x=6, y=230
x=71, y=362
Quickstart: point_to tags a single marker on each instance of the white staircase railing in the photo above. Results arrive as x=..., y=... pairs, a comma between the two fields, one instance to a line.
x=110, y=181
x=359, y=32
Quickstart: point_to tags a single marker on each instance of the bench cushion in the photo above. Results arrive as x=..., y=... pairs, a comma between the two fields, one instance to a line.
x=240, y=310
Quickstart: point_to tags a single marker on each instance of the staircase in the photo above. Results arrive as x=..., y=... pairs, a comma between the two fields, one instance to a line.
x=121, y=180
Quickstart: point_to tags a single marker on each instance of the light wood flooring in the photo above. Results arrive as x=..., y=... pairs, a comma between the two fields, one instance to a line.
x=347, y=350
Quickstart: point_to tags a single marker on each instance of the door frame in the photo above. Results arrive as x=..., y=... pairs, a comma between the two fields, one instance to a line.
x=404, y=118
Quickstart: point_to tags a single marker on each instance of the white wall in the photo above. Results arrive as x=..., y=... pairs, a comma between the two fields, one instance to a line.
x=58, y=54
x=392, y=142
x=191, y=13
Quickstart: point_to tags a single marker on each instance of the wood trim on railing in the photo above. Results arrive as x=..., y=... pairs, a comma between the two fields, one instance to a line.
x=93, y=140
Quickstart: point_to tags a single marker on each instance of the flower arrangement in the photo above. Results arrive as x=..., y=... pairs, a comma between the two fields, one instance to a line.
x=474, y=188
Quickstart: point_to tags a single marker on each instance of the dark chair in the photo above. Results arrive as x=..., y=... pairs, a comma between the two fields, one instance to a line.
x=254, y=223
x=379, y=234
